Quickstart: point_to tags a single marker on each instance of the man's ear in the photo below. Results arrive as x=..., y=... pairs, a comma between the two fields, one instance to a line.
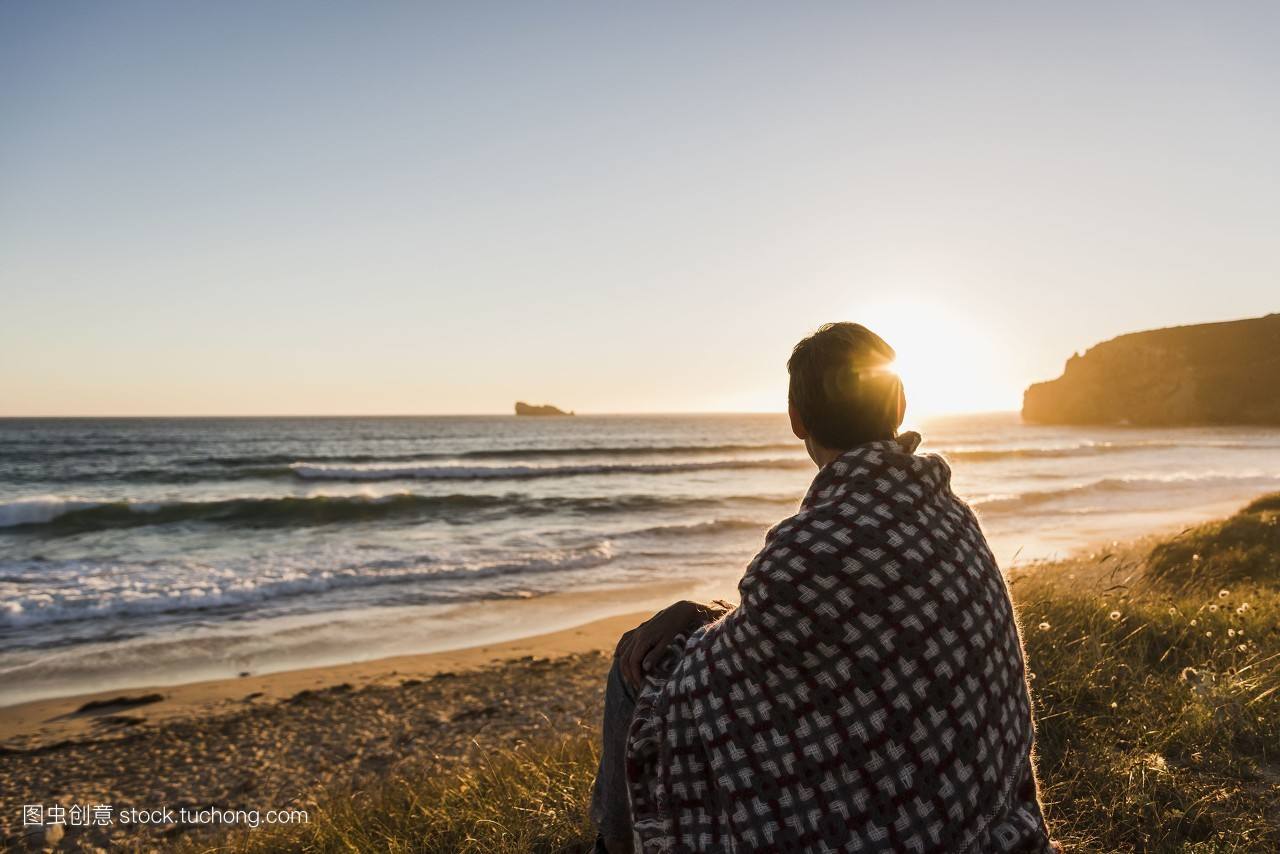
x=797, y=426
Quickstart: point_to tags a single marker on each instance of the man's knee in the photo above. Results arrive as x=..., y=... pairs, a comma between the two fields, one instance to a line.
x=616, y=689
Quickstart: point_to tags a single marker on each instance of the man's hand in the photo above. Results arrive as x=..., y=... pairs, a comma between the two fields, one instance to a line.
x=642, y=647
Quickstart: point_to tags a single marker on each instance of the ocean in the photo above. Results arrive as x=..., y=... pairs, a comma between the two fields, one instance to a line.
x=145, y=551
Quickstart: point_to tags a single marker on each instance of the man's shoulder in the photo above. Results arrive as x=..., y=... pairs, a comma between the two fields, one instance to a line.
x=791, y=526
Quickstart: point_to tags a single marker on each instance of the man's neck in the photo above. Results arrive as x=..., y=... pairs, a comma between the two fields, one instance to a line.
x=821, y=454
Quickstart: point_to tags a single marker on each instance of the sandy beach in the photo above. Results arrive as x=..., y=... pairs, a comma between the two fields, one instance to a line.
x=266, y=742
x=63, y=721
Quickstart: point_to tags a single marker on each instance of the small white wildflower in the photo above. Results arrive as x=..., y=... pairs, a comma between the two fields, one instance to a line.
x=1223, y=593
x=1115, y=615
x=1213, y=608
x=1044, y=627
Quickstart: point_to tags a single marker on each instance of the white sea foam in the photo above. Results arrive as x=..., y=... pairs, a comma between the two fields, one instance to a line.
x=99, y=595
x=709, y=526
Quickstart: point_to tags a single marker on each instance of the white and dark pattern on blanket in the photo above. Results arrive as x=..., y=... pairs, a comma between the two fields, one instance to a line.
x=868, y=694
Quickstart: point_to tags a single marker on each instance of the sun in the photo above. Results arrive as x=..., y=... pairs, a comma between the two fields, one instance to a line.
x=949, y=362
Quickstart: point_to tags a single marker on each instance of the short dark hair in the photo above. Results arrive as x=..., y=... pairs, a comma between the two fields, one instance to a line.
x=841, y=386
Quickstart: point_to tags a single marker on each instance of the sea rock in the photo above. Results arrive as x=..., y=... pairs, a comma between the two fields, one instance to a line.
x=523, y=408
x=1209, y=373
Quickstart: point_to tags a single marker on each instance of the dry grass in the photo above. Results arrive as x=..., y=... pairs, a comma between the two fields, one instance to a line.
x=529, y=799
x=1157, y=695
x=1238, y=550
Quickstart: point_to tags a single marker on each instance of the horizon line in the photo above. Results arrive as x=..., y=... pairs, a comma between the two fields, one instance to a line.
x=576, y=414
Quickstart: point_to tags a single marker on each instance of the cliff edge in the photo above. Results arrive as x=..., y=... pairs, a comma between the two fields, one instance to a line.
x=1209, y=373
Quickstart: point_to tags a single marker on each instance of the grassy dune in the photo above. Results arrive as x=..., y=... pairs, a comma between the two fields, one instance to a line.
x=1156, y=691
x=1156, y=684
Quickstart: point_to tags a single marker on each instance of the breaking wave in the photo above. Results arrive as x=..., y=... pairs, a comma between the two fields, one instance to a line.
x=1109, y=485
x=51, y=515
x=311, y=471
x=211, y=594
x=980, y=455
x=414, y=465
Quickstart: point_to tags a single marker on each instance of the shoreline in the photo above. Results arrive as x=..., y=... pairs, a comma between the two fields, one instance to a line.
x=98, y=716
x=453, y=629
x=479, y=634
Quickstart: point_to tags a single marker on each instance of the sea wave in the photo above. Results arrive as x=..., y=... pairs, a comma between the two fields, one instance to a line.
x=708, y=526
x=1024, y=500
x=577, y=459
x=270, y=459
x=210, y=594
x=44, y=509
x=311, y=471
x=60, y=516
x=182, y=470
x=1086, y=450
x=627, y=450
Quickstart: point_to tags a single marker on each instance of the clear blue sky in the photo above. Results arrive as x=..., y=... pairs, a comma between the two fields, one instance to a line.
x=280, y=207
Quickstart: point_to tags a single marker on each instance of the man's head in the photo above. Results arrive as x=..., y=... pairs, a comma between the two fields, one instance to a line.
x=842, y=392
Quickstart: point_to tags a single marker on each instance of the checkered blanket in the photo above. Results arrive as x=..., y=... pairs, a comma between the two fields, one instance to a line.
x=867, y=694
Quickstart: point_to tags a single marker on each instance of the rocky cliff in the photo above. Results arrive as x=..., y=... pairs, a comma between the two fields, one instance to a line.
x=1210, y=373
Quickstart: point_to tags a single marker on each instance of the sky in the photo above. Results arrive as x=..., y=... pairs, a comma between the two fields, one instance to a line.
x=354, y=208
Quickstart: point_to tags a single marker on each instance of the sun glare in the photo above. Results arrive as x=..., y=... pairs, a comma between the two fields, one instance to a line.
x=948, y=362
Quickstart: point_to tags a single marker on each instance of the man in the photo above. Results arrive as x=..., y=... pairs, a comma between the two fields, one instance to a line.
x=868, y=693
